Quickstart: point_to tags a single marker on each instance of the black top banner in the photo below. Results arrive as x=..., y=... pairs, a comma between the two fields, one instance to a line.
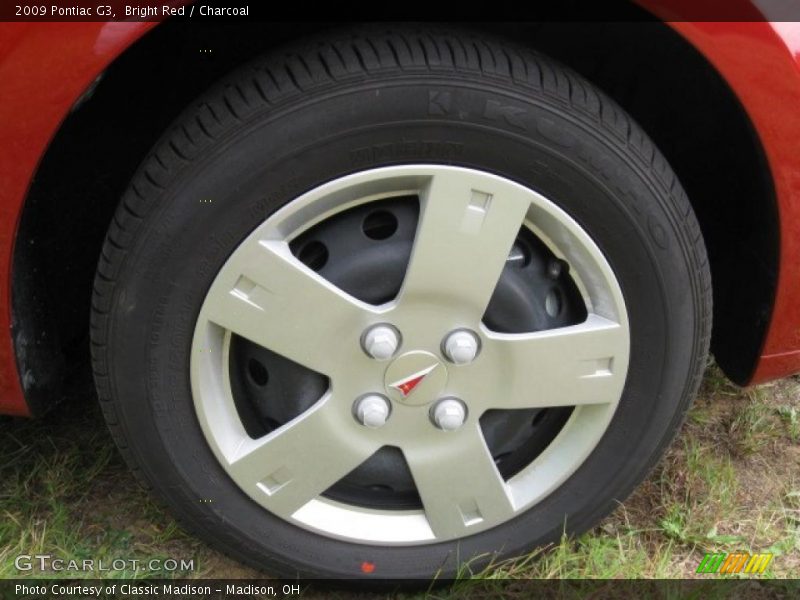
x=259, y=10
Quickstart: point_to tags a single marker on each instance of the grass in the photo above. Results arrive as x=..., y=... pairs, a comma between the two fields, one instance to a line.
x=730, y=482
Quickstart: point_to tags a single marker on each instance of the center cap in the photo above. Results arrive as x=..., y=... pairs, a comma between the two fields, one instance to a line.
x=415, y=378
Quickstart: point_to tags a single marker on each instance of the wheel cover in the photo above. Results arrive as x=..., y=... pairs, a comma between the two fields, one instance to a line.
x=468, y=223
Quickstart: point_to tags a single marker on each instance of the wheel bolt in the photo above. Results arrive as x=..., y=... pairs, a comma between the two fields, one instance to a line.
x=461, y=347
x=380, y=341
x=554, y=268
x=449, y=414
x=372, y=410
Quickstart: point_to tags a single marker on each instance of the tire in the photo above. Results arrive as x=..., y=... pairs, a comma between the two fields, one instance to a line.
x=417, y=104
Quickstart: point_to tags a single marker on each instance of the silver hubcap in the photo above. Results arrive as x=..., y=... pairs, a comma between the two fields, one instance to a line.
x=451, y=368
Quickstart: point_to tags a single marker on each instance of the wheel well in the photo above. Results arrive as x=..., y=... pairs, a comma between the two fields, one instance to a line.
x=650, y=70
x=697, y=122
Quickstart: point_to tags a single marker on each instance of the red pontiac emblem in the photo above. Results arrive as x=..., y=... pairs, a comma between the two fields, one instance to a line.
x=406, y=385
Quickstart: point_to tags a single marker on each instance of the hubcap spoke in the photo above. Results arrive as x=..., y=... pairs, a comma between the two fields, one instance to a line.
x=272, y=299
x=460, y=486
x=467, y=227
x=297, y=462
x=571, y=366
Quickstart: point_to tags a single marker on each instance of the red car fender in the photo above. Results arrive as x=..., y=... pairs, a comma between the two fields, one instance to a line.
x=761, y=63
x=44, y=67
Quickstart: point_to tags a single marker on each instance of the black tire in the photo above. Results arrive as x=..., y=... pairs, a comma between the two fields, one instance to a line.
x=305, y=115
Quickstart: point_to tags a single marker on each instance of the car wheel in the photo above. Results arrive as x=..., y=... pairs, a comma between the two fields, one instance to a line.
x=389, y=302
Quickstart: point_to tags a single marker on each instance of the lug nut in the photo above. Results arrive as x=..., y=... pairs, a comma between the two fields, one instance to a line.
x=381, y=341
x=449, y=414
x=372, y=411
x=461, y=347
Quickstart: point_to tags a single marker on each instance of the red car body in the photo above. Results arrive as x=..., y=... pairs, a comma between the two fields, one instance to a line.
x=45, y=68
